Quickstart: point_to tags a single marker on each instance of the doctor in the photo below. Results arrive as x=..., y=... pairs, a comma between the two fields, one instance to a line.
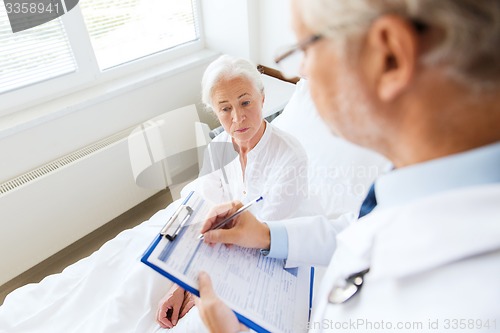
x=419, y=82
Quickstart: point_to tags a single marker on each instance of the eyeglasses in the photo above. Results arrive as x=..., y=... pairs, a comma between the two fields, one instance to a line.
x=353, y=284
x=290, y=59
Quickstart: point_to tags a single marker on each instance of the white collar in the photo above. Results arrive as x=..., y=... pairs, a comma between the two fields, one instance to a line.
x=474, y=167
x=262, y=144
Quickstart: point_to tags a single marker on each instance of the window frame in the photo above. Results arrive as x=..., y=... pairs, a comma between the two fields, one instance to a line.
x=88, y=73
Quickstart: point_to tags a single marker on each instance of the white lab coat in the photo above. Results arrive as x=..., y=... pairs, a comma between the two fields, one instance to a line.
x=311, y=240
x=434, y=266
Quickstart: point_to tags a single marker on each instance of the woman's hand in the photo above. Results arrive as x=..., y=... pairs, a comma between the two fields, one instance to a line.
x=173, y=306
x=216, y=315
x=244, y=230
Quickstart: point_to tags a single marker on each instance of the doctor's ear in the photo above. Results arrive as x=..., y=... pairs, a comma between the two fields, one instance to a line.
x=392, y=45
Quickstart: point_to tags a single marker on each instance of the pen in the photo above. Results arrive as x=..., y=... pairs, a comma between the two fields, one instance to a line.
x=238, y=212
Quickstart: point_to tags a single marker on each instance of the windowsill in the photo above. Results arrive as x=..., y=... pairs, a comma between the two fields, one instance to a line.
x=45, y=112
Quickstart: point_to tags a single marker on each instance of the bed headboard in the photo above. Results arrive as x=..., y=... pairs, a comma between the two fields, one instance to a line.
x=276, y=74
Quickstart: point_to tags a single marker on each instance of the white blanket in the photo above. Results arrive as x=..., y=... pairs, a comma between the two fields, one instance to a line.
x=109, y=291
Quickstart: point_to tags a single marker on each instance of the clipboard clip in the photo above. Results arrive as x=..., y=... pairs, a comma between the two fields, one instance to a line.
x=176, y=222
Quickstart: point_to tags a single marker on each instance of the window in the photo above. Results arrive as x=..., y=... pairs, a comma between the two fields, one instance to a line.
x=33, y=55
x=96, y=40
x=125, y=30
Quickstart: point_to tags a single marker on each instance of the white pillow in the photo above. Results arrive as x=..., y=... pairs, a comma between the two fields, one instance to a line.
x=340, y=173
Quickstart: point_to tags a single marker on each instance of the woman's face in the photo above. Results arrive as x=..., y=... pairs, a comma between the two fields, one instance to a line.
x=238, y=105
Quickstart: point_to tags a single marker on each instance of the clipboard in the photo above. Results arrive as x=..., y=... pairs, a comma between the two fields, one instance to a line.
x=251, y=284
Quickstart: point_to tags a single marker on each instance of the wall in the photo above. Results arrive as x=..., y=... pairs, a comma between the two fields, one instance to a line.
x=231, y=27
x=275, y=29
x=253, y=29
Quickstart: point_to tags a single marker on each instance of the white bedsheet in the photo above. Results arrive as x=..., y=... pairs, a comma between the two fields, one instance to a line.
x=109, y=291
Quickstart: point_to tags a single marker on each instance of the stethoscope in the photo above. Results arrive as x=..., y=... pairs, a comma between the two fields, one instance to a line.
x=353, y=284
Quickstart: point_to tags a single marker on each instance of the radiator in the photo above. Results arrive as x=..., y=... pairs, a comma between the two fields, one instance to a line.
x=47, y=209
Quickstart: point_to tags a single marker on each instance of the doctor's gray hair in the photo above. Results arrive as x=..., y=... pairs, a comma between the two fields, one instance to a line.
x=224, y=68
x=470, y=49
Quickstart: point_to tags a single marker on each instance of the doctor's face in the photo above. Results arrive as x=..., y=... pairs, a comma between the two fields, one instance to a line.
x=334, y=83
x=238, y=105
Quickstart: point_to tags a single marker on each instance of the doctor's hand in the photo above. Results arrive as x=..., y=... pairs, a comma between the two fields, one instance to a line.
x=216, y=315
x=244, y=230
x=173, y=306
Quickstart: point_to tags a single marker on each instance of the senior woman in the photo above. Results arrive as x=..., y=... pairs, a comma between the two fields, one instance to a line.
x=251, y=157
x=263, y=160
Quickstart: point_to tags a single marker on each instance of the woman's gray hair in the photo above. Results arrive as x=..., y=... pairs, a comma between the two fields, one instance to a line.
x=470, y=50
x=224, y=68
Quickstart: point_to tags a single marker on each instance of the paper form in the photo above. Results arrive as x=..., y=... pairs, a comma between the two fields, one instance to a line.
x=256, y=287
